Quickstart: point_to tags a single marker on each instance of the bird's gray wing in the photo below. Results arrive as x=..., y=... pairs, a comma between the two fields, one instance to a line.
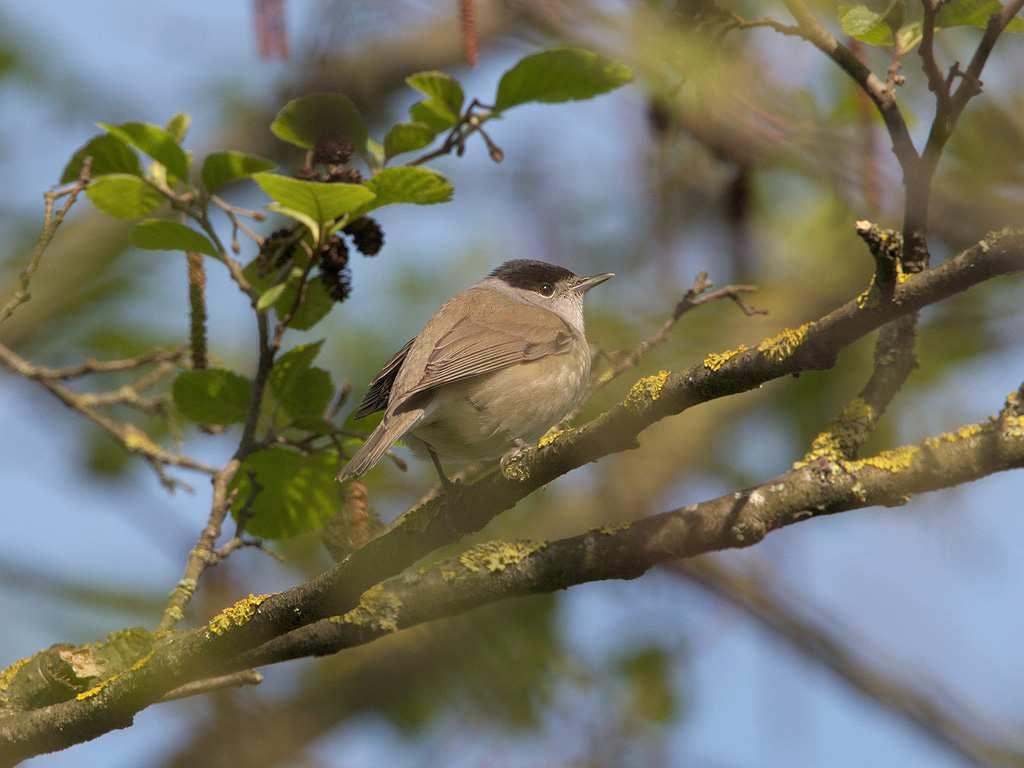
x=376, y=397
x=492, y=335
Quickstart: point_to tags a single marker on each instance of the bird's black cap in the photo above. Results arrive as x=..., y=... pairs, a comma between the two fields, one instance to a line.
x=529, y=274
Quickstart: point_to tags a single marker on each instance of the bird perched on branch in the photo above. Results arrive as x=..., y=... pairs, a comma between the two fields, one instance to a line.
x=494, y=368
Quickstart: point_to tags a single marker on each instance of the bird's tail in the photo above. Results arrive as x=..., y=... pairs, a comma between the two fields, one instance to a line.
x=383, y=437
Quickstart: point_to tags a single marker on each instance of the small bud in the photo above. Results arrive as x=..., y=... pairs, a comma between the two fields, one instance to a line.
x=496, y=154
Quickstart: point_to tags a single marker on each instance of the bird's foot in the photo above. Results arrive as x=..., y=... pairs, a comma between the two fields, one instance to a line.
x=512, y=461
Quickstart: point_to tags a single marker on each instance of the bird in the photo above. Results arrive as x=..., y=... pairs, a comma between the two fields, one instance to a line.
x=493, y=369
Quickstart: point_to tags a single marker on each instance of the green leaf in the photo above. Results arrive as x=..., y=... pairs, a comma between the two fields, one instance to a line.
x=109, y=155
x=861, y=23
x=308, y=119
x=421, y=113
x=123, y=196
x=565, y=74
x=269, y=296
x=318, y=201
x=316, y=303
x=302, y=390
x=222, y=168
x=160, y=235
x=155, y=142
x=405, y=137
x=405, y=184
x=178, y=126
x=213, y=396
x=908, y=36
x=444, y=94
x=297, y=492
x=973, y=13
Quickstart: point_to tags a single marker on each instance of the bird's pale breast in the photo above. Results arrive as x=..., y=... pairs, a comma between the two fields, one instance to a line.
x=482, y=417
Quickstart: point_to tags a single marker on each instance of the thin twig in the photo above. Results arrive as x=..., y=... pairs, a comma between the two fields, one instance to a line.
x=51, y=222
x=202, y=554
x=131, y=438
x=699, y=293
x=210, y=684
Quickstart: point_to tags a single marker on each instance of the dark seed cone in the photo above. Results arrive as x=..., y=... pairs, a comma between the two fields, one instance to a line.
x=338, y=282
x=333, y=254
x=333, y=151
x=366, y=235
x=345, y=175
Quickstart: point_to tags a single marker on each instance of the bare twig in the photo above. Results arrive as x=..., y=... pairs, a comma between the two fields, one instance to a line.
x=202, y=554
x=91, y=365
x=131, y=438
x=699, y=293
x=51, y=222
x=471, y=122
x=210, y=684
x=936, y=82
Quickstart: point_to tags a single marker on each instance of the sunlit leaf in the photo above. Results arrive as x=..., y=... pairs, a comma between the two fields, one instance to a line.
x=123, y=196
x=109, y=155
x=406, y=137
x=973, y=13
x=317, y=200
x=156, y=142
x=161, y=235
x=309, y=119
x=565, y=74
x=861, y=23
x=222, y=168
x=417, y=185
x=444, y=94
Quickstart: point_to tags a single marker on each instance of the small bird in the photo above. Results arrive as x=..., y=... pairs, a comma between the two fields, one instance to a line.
x=494, y=368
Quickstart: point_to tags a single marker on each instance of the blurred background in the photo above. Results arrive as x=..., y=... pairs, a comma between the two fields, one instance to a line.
x=749, y=157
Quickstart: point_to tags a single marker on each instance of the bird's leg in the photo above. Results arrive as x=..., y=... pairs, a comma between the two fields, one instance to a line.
x=446, y=484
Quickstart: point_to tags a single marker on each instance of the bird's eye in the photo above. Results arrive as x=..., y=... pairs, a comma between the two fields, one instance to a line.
x=547, y=290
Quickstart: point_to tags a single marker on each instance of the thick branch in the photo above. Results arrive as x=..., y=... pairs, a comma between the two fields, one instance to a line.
x=497, y=570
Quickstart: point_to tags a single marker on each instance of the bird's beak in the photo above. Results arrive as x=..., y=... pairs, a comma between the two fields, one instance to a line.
x=586, y=283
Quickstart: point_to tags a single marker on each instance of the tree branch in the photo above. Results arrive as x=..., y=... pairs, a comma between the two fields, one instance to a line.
x=51, y=222
x=822, y=487
x=497, y=570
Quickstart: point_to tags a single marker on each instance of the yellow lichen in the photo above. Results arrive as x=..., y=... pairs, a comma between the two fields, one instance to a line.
x=515, y=468
x=847, y=432
x=378, y=610
x=549, y=437
x=611, y=530
x=964, y=433
x=785, y=343
x=235, y=615
x=645, y=391
x=137, y=440
x=896, y=460
x=716, y=360
x=8, y=674
x=139, y=664
x=495, y=556
x=869, y=296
